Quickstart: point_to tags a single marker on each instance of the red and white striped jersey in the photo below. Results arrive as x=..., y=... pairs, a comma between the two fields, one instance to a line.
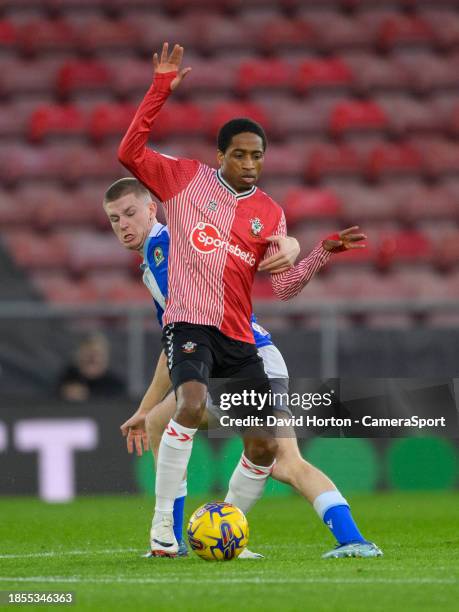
x=218, y=236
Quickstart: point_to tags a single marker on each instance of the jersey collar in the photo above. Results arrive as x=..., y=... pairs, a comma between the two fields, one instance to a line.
x=237, y=195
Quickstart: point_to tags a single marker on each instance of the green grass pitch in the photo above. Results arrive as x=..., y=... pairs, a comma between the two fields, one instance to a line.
x=93, y=547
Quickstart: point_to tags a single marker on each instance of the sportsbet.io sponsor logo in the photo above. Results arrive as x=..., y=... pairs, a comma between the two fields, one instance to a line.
x=206, y=238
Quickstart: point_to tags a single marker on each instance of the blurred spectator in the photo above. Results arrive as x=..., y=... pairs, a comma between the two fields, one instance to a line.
x=89, y=377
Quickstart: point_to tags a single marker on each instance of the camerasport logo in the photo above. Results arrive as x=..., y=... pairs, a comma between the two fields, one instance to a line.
x=206, y=238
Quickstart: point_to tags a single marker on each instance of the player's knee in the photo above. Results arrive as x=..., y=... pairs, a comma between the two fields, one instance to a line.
x=261, y=451
x=191, y=408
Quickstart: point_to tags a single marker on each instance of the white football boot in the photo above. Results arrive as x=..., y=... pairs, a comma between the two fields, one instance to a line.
x=162, y=538
x=248, y=554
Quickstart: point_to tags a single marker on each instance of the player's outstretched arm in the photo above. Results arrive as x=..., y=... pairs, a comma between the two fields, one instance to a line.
x=290, y=283
x=162, y=175
x=134, y=428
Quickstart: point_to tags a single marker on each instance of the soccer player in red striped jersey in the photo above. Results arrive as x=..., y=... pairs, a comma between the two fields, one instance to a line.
x=220, y=227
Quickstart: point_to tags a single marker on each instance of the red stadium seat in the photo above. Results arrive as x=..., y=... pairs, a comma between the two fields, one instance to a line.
x=57, y=120
x=28, y=76
x=14, y=118
x=264, y=74
x=407, y=115
x=130, y=76
x=445, y=24
x=129, y=292
x=310, y=204
x=216, y=32
x=39, y=36
x=49, y=206
x=440, y=157
x=394, y=159
x=185, y=119
x=110, y=120
x=447, y=249
x=8, y=34
x=290, y=117
x=352, y=115
x=19, y=162
x=361, y=203
x=229, y=110
x=320, y=73
x=210, y=75
x=401, y=29
x=284, y=160
x=336, y=32
x=89, y=250
x=428, y=203
x=12, y=213
x=34, y=251
x=104, y=34
x=372, y=73
x=86, y=75
x=60, y=289
x=283, y=33
x=427, y=72
x=404, y=246
x=326, y=159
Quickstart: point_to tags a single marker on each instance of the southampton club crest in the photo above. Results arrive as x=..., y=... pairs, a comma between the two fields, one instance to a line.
x=189, y=347
x=256, y=226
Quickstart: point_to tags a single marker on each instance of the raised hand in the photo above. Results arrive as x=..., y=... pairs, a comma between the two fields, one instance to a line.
x=170, y=63
x=345, y=240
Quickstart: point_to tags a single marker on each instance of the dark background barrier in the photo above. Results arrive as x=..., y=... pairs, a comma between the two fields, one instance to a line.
x=82, y=452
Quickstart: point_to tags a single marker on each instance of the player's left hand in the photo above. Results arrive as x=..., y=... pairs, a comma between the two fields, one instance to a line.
x=345, y=240
x=135, y=433
x=284, y=259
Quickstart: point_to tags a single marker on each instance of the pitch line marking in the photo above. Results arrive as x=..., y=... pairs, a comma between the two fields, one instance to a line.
x=61, y=553
x=237, y=580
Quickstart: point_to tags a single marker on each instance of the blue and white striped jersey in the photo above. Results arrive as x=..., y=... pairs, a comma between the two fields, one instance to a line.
x=154, y=267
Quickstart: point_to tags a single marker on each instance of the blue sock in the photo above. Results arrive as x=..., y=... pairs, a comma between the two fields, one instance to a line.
x=340, y=522
x=179, y=508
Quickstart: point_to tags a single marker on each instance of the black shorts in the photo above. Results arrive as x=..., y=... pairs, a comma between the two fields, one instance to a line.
x=203, y=352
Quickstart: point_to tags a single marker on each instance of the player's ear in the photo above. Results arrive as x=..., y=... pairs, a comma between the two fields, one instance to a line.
x=153, y=208
x=220, y=157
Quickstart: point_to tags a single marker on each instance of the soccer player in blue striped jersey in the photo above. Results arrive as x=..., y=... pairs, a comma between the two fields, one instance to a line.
x=139, y=230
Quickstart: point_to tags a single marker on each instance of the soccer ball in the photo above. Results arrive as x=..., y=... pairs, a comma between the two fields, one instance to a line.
x=218, y=531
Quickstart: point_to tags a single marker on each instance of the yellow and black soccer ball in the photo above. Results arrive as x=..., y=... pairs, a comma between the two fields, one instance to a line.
x=218, y=531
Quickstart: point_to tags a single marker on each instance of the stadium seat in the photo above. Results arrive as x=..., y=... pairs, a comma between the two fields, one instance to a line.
x=390, y=159
x=406, y=115
x=108, y=35
x=434, y=202
x=264, y=74
x=284, y=159
x=310, y=204
x=8, y=34
x=399, y=29
x=14, y=118
x=130, y=76
x=282, y=33
x=20, y=162
x=323, y=73
x=31, y=250
x=445, y=24
x=56, y=120
x=440, y=157
x=156, y=28
x=47, y=35
x=327, y=159
x=228, y=110
x=427, y=72
x=89, y=250
x=289, y=117
x=27, y=76
x=110, y=120
x=83, y=75
x=361, y=203
x=49, y=206
x=12, y=214
x=447, y=249
x=61, y=289
x=210, y=75
x=337, y=32
x=372, y=73
x=353, y=115
x=404, y=246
